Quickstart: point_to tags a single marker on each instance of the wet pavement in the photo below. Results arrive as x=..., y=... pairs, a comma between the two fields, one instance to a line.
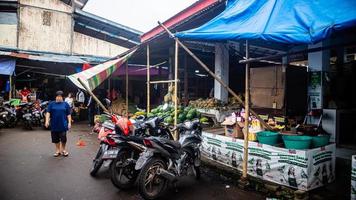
x=29, y=171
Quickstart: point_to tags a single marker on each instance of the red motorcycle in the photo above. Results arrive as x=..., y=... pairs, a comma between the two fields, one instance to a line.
x=108, y=135
x=107, y=147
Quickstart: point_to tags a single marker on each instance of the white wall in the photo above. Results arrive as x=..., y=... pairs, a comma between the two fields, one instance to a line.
x=8, y=35
x=86, y=45
x=34, y=35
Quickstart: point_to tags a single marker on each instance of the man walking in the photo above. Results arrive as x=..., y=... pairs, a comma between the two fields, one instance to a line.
x=59, y=115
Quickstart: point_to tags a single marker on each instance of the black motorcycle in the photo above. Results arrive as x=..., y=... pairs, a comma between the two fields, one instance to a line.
x=164, y=160
x=8, y=115
x=25, y=112
x=123, y=173
x=2, y=124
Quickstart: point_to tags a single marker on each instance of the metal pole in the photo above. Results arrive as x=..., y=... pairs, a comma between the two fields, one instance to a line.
x=10, y=91
x=247, y=113
x=176, y=88
x=148, y=78
x=186, y=80
x=93, y=95
x=216, y=78
x=127, y=89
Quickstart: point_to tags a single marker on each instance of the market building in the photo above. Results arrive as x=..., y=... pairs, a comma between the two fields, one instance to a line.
x=308, y=84
x=43, y=41
x=272, y=83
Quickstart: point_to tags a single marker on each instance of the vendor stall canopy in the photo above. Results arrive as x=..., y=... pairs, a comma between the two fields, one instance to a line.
x=94, y=76
x=283, y=21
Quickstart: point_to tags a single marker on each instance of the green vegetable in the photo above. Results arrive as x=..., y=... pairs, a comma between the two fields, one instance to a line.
x=204, y=119
x=192, y=112
x=187, y=108
x=169, y=120
x=181, y=117
x=150, y=115
x=189, y=116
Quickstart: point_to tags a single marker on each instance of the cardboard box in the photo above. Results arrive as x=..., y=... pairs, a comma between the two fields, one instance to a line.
x=232, y=129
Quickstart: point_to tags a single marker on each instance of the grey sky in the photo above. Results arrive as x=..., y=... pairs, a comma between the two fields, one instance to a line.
x=138, y=14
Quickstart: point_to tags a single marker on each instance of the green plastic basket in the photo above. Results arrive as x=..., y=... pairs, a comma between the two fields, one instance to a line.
x=15, y=102
x=320, y=140
x=267, y=137
x=297, y=142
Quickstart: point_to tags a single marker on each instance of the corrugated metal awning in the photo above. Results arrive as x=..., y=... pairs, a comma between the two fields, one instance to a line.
x=45, y=57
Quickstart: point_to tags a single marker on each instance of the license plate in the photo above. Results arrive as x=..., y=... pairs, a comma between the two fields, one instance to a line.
x=107, y=163
x=144, y=156
x=110, y=154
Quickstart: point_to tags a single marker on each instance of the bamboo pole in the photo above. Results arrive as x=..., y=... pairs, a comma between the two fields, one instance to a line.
x=10, y=89
x=93, y=95
x=185, y=80
x=247, y=113
x=176, y=136
x=148, y=78
x=216, y=78
x=127, y=89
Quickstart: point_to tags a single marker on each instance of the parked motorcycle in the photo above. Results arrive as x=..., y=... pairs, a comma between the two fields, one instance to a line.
x=8, y=115
x=25, y=110
x=2, y=124
x=107, y=149
x=164, y=160
x=123, y=173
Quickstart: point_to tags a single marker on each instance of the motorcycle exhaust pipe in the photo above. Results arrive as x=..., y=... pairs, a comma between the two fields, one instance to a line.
x=166, y=174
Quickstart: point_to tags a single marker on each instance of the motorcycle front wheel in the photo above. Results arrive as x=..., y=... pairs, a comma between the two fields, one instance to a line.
x=150, y=185
x=123, y=174
x=98, y=161
x=27, y=125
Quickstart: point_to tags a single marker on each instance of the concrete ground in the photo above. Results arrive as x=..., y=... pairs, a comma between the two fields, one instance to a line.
x=29, y=171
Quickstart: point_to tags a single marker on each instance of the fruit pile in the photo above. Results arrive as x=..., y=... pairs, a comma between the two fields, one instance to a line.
x=211, y=103
x=167, y=113
x=119, y=107
x=215, y=104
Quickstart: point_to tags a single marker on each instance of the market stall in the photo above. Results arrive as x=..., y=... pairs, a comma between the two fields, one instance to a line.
x=277, y=22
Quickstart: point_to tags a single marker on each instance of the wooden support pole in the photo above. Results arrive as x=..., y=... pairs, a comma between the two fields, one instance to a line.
x=216, y=78
x=176, y=136
x=247, y=113
x=93, y=95
x=127, y=89
x=186, y=100
x=148, y=78
x=10, y=91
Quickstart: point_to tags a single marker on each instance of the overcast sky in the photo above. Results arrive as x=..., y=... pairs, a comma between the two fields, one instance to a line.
x=141, y=15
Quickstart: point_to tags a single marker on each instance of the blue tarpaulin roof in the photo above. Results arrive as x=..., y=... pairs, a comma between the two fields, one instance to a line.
x=284, y=21
x=7, y=66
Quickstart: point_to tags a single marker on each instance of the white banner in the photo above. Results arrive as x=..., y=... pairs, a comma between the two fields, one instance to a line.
x=300, y=169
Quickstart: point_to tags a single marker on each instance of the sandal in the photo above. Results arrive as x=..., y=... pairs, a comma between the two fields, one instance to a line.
x=56, y=154
x=65, y=153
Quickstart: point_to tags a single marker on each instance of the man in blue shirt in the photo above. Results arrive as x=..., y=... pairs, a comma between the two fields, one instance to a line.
x=59, y=115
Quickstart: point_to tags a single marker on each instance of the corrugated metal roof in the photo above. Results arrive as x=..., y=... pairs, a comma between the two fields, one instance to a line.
x=50, y=57
x=78, y=3
x=184, y=15
x=104, y=29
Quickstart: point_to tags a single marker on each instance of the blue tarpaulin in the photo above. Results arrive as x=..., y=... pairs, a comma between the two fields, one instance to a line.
x=7, y=66
x=284, y=21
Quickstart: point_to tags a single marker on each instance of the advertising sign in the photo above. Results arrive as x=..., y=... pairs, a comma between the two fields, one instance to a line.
x=304, y=170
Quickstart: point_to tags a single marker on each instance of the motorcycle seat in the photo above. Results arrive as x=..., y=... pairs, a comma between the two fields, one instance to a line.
x=171, y=143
